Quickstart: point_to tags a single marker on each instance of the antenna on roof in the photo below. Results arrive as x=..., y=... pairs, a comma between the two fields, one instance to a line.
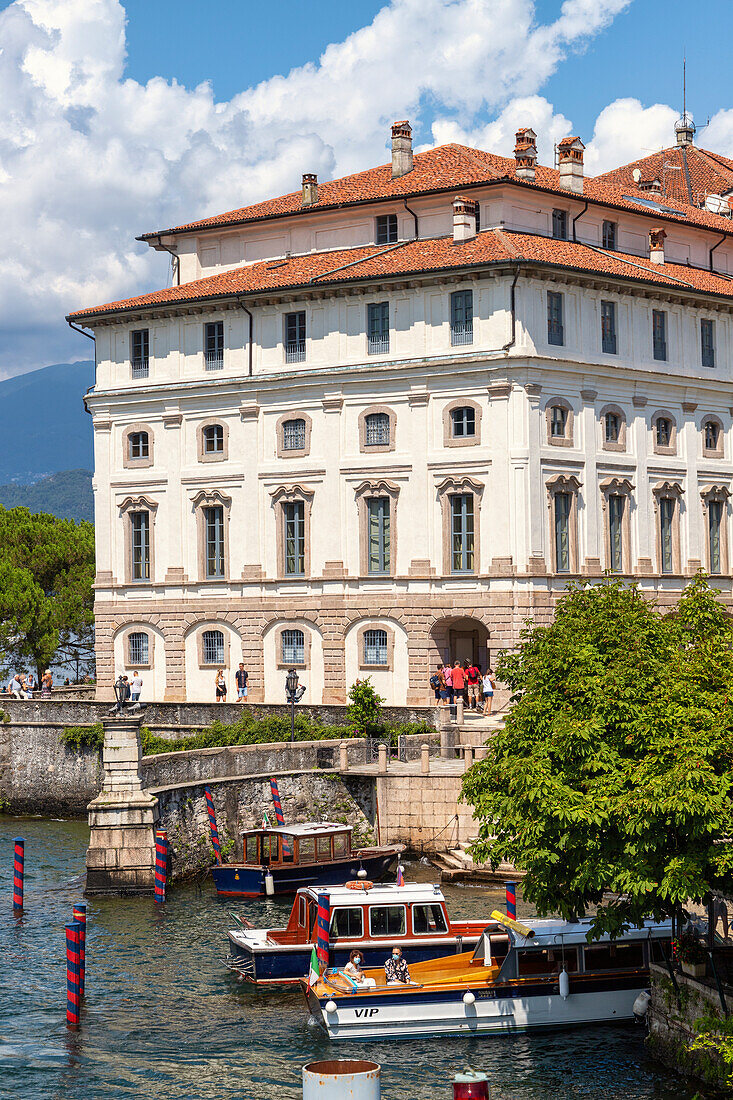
x=684, y=128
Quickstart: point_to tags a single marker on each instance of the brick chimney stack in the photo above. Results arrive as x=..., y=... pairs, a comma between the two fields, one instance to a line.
x=525, y=153
x=401, y=149
x=570, y=151
x=464, y=219
x=310, y=188
x=656, y=245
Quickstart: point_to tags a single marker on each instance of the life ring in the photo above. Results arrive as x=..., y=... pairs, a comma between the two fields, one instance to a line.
x=359, y=884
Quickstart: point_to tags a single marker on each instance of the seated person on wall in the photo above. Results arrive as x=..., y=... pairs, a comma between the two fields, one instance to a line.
x=354, y=971
x=395, y=968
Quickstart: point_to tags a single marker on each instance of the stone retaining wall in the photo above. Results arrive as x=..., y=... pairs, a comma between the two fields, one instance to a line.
x=423, y=811
x=672, y=1024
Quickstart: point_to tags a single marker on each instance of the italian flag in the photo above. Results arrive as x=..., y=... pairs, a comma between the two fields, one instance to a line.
x=265, y=820
x=314, y=972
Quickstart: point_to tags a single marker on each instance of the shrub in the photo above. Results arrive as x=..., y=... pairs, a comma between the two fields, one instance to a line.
x=84, y=737
x=364, y=705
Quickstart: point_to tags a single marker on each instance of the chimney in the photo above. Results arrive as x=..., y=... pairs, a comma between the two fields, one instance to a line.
x=310, y=188
x=525, y=153
x=570, y=156
x=656, y=245
x=401, y=149
x=464, y=219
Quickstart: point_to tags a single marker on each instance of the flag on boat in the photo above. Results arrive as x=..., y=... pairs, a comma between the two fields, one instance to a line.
x=265, y=820
x=400, y=875
x=314, y=973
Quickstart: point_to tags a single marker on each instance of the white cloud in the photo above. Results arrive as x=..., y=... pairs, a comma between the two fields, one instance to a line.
x=626, y=131
x=89, y=158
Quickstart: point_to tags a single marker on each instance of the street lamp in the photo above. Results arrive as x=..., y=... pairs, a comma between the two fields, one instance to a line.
x=120, y=692
x=293, y=695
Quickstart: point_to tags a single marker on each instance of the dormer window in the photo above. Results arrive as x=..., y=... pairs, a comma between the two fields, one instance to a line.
x=609, y=235
x=560, y=225
x=386, y=225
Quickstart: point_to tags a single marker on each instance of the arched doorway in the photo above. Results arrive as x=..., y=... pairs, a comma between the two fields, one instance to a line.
x=461, y=639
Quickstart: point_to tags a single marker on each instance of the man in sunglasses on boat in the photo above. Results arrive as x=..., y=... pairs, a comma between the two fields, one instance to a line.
x=396, y=969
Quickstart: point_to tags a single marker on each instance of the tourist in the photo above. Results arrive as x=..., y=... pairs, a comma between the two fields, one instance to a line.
x=395, y=968
x=448, y=680
x=221, y=686
x=458, y=678
x=46, y=684
x=29, y=685
x=436, y=683
x=489, y=686
x=473, y=682
x=136, y=687
x=14, y=687
x=354, y=971
x=241, y=677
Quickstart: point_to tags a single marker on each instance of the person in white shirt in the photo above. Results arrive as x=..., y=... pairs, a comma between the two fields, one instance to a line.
x=489, y=686
x=136, y=687
x=354, y=971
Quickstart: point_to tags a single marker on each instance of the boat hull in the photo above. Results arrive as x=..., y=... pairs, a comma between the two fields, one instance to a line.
x=237, y=880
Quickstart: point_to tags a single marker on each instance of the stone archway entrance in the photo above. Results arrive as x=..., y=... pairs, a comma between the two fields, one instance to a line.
x=461, y=639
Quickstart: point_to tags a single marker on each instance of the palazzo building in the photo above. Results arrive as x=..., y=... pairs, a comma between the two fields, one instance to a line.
x=381, y=421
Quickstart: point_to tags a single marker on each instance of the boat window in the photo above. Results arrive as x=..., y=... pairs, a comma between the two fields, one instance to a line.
x=302, y=911
x=323, y=847
x=339, y=845
x=427, y=919
x=312, y=918
x=543, y=962
x=251, y=850
x=387, y=920
x=307, y=849
x=614, y=956
x=286, y=849
x=347, y=924
x=269, y=848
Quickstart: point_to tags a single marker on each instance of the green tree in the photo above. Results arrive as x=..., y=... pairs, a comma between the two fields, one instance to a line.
x=46, y=579
x=613, y=771
x=364, y=705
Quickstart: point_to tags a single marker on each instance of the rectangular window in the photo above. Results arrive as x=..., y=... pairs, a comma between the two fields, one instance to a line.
x=340, y=845
x=560, y=225
x=461, y=317
x=608, y=327
x=140, y=352
x=387, y=920
x=140, y=528
x=707, y=342
x=294, y=435
x=214, y=345
x=307, y=849
x=251, y=850
x=477, y=211
x=293, y=647
x=214, y=531
x=294, y=519
x=375, y=647
x=386, y=229
x=555, y=334
x=378, y=328
x=287, y=849
x=614, y=956
x=609, y=235
x=562, y=532
x=616, y=532
x=323, y=847
x=378, y=534
x=139, y=648
x=666, y=518
x=461, y=505
x=463, y=422
x=295, y=337
x=659, y=333
x=428, y=920
x=715, y=527
x=347, y=924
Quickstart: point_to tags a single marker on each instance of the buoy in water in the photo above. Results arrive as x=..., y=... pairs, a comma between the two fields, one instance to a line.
x=269, y=883
x=564, y=984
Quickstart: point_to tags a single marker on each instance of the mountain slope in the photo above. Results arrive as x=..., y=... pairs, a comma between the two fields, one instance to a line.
x=67, y=495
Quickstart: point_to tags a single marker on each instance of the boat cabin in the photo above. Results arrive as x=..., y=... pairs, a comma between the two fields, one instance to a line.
x=323, y=842
x=384, y=912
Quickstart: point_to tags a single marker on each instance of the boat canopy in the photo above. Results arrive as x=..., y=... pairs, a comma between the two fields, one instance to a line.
x=310, y=828
x=554, y=933
x=413, y=892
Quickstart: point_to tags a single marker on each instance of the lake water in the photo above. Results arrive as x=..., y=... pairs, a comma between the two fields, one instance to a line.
x=165, y=1019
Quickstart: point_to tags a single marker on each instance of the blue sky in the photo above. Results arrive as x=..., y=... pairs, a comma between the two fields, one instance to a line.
x=108, y=129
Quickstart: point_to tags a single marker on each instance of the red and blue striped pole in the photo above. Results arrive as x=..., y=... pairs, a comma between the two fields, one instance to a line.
x=80, y=916
x=73, y=974
x=511, y=900
x=324, y=920
x=276, y=802
x=18, y=874
x=161, y=863
x=212, y=824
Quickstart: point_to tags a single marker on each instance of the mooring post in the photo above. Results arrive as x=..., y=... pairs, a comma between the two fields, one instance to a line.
x=79, y=914
x=511, y=899
x=425, y=759
x=161, y=864
x=382, y=765
x=18, y=873
x=73, y=974
x=343, y=757
x=213, y=828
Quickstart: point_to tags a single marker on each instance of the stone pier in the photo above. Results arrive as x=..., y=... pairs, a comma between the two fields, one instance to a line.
x=121, y=854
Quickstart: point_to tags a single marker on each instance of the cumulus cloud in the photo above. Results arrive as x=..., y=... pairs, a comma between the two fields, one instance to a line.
x=89, y=158
x=625, y=131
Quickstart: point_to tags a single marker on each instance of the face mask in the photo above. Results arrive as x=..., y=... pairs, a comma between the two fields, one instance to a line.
x=395, y=955
x=357, y=960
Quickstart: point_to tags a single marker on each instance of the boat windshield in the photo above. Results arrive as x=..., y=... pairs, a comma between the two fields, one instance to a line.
x=250, y=850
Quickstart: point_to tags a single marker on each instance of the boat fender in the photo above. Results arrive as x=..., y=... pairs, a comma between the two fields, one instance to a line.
x=330, y=1007
x=564, y=984
x=469, y=998
x=269, y=884
x=363, y=884
x=641, y=1005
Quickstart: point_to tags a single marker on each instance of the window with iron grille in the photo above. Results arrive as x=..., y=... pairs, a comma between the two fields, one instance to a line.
x=213, y=647
x=375, y=647
x=560, y=224
x=712, y=435
x=295, y=337
x=138, y=648
x=377, y=430
x=608, y=327
x=463, y=422
x=461, y=317
x=214, y=345
x=558, y=421
x=294, y=435
x=140, y=534
x=707, y=342
x=214, y=534
x=293, y=647
x=462, y=541
x=613, y=427
x=140, y=352
x=555, y=334
x=616, y=532
x=666, y=519
x=214, y=439
x=294, y=520
x=386, y=229
x=659, y=333
x=663, y=428
x=562, y=532
x=378, y=534
x=715, y=542
x=609, y=235
x=378, y=328
x=139, y=445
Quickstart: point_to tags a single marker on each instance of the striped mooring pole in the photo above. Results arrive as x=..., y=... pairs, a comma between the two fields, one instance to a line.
x=279, y=817
x=73, y=974
x=18, y=874
x=161, y=863
x=511, y=900
x=324, y=920
x=212, y=824
x=79, y=914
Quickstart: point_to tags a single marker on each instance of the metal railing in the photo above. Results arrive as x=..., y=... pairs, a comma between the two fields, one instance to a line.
x=295, y=351
x=141, y=367
x=378, y=345
x=214, y=360
x=461, y=334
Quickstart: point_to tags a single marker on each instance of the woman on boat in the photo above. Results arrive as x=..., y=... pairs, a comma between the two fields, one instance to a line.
x=354, y=971
x=395, y=968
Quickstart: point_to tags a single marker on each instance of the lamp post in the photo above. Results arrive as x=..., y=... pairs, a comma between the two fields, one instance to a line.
x=293, y=695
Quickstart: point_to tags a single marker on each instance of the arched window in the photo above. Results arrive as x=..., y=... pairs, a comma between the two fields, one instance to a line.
x=293, y=647
x=294, y=435
x=712, y=437
x=138, y=648
x=213, y=647
x=463, y=421
x=664, y=431
x=375, y=647
x=139, y=445
x=558, y=420
x=613, y=427
x=377, y=430
x=213, y=439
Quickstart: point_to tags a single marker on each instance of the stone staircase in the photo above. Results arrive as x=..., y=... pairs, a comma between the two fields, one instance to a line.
x=456, y=865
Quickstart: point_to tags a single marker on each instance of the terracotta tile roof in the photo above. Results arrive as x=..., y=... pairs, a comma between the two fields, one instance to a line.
x=707, y=174
x=492, y=246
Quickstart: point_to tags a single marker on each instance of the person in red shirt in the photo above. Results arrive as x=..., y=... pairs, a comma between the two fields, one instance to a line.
x=473, y=679
x=458, y=676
